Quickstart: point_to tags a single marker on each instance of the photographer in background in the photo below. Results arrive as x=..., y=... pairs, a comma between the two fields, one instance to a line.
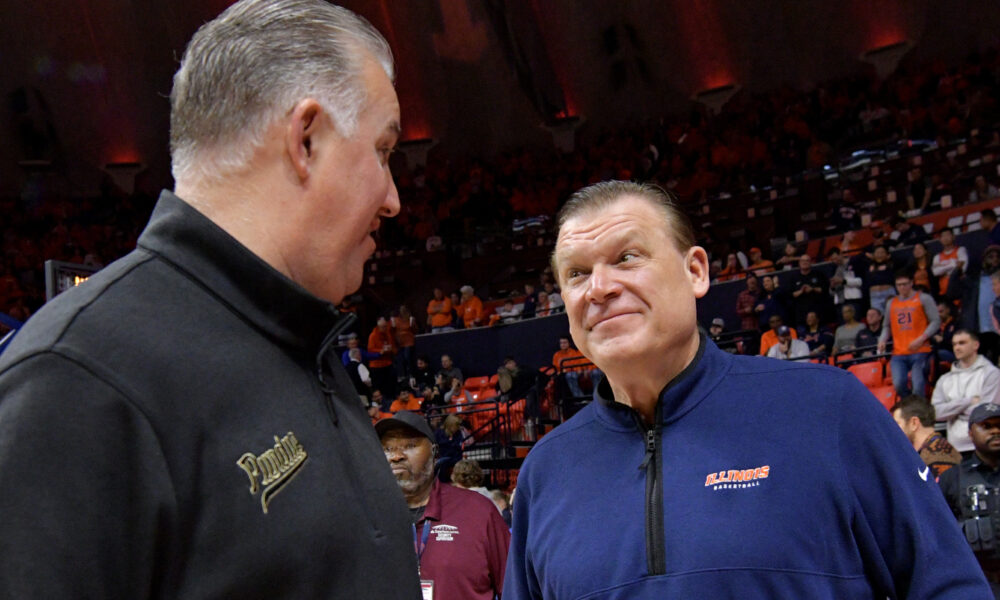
x=964, y=485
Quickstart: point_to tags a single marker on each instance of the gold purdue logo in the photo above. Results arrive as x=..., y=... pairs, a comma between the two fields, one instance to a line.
x=274, y=468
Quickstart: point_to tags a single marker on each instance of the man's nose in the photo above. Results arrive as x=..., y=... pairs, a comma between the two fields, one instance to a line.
x=391, y=206
x=603, y=284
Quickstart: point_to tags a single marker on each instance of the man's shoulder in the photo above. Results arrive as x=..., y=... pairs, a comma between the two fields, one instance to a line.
x=468, y=501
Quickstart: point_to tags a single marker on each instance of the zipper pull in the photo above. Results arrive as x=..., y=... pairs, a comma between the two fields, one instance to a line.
x=650, y=448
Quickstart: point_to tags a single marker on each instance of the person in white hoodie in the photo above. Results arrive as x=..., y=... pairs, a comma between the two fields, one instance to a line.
x=971, y=381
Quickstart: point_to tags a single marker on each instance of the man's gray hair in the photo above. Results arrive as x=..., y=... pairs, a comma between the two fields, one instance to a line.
x=601, y=195
x=252, y=64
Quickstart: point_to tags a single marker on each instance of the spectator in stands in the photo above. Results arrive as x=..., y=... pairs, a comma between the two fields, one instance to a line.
x=787, y=347
x=715, y=328
x=770, y=337
x=375, y=410
x=983, y=191
x=988, y=221
x=845, y=286
x=439, y=312
x=758, y=264
x=509, y=312
x=919, y=267
x=572, y=373
x=542, y=309
x=382, y=341
x=556, y=304
x=515, y=382
x=502, y=501
x=449, y=439
x=207, y=355
x=352, y=343
x=404, y=329
x=456, y=313
x=406, y=401
x=810, y=291
x=868, y=337
x=530, y=301
x=912, y=318
x=747, y=301
x=972, y=380
x=768, y=304
x=915, y=416
x=468, y=475
x=906, y=233
x=449, y=371
x=880, y=278
x=422, y=377
x=790, y=256
x=630, y=277
x=731, y=270
x=951, y=258
x=846, y=335
x=846, y=216
x=383, y=402
x=942, y=339
x=460, y=537
x=360, y=377
x=918, y=192
x=471, y=308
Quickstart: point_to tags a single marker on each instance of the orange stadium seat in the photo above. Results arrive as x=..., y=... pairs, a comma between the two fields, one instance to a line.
x=869, y=373
x=886, y=395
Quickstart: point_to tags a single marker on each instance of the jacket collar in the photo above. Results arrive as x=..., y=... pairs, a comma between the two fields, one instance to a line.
x=680, y=396
x=273, y=303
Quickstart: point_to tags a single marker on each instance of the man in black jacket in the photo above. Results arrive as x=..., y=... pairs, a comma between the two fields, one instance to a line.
x=180, y=426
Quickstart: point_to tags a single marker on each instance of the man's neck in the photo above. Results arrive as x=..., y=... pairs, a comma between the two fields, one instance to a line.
x=907, y=296
x=968, y=361
x=988, y=459
x=921, y=437
x=421, y=497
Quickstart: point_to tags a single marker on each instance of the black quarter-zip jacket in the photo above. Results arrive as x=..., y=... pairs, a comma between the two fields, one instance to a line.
x=178, y=427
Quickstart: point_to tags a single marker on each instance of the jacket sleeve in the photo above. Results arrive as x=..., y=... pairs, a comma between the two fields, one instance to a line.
x=86, y=492
x=520, y=581
x=901, y=522
x=946, y=408
x=991, y=386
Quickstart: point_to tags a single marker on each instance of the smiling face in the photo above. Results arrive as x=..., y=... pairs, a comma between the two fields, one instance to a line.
x=348, y=191
x=629, y=291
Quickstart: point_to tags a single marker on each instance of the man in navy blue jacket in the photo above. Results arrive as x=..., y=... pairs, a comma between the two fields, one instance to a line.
x=695, y=473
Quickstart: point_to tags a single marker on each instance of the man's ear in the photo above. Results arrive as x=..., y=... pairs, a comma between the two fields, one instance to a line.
x=697, y=268
x=301, y=128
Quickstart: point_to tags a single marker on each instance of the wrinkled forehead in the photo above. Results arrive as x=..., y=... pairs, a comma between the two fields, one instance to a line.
x=615, y=221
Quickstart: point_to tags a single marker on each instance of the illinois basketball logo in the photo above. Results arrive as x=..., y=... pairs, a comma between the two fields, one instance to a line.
x=733, y=479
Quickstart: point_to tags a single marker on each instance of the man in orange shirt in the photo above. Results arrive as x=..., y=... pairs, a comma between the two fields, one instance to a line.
x=758, y=264
x=911, y=319
x=439, y=312
x=382, y=341
x=471, y=308
x=572, y=374
x=406, y=401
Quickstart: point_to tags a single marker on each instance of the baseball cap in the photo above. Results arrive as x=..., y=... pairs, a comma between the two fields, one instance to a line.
x=984, y=411
x=754, y=249
x=991, y=248
x=407, y=419
x=784, y=330
x=718, y=321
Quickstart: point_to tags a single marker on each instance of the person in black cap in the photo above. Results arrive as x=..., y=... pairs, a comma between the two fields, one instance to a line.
x=788, y=348
x=981, y=468
x=460, y=537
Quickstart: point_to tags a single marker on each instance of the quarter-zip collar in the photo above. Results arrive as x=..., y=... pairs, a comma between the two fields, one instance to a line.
x=273, y=303
x=681, y=395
